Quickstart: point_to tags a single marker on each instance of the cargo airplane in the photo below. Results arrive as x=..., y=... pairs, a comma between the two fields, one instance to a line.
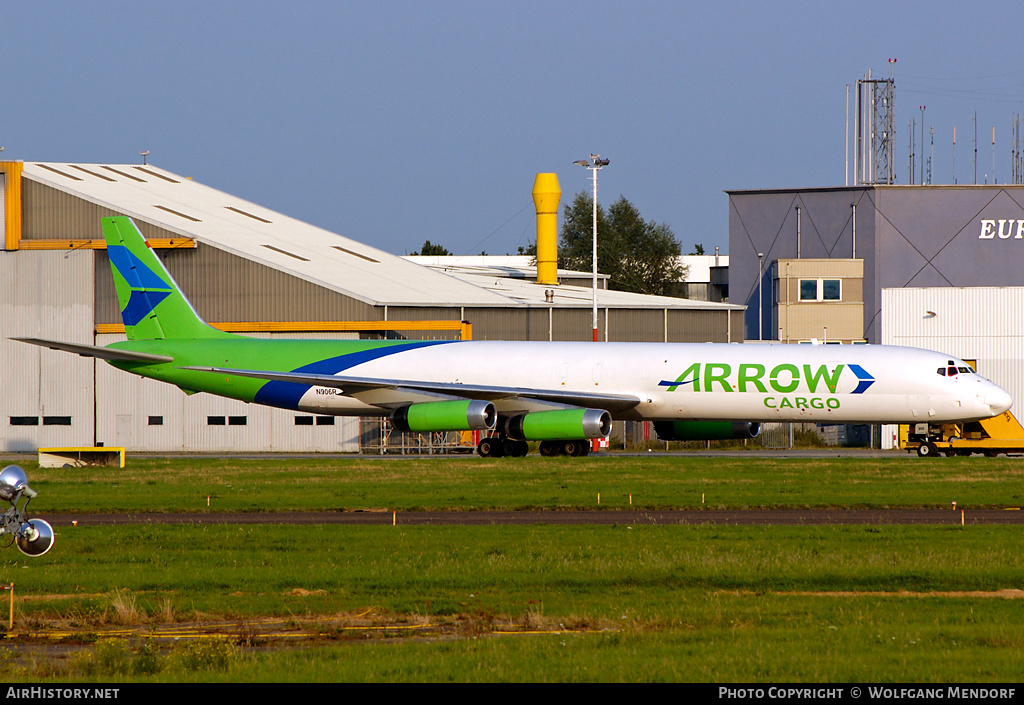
x=562, y=394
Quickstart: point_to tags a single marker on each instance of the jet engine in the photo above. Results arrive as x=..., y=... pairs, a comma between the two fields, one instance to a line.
x=562, y=424
x=34, y=537
x=458, y=415
x=706, y=430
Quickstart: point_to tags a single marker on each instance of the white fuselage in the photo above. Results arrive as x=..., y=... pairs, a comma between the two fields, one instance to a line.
x=727, y=382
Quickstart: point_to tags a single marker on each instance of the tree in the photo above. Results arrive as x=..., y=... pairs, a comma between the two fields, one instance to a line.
x=637, y=255
x=431, y=249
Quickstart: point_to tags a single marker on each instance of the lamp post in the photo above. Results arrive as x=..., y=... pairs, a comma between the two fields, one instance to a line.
x=595, y=164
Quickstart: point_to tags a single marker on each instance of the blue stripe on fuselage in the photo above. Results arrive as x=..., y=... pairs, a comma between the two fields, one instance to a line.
x=288, y=394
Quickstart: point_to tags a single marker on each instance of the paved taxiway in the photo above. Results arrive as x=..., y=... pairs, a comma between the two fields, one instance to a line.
x=749, y=517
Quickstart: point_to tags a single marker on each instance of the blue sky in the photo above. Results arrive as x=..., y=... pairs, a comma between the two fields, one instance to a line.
x=398, y=122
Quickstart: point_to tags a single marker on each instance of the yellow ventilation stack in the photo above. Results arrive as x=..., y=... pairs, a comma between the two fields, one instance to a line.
x=546, y=195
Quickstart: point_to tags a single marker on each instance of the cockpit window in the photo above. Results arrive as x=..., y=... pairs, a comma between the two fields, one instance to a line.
x=953, y=370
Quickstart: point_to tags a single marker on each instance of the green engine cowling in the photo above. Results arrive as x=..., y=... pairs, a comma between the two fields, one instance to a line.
x=458, y=415
x=559, y=425
x=706, y=430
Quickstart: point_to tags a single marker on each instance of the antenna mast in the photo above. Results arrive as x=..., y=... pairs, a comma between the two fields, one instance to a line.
x=873, y=156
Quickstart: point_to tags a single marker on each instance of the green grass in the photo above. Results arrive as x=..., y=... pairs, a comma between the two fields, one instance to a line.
x=632, y=603
x=656, y=482
x=242, y=571
x=586, y=603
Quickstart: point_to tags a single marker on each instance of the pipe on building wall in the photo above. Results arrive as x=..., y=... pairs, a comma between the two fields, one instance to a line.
x=546, y=194
x=853, y=229
x=11, y=203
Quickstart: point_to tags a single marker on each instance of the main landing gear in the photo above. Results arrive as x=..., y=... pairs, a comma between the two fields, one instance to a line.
x=498, y=447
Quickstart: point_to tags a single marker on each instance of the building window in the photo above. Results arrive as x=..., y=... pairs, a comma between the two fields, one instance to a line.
x=24, y=420
x=821, y=289
x=310, y=420
x=56, y=420
x=236, y=420
x=156, y=420
x=215, y=421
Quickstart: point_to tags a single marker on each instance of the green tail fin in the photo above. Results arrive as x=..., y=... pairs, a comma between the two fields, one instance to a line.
x=152, y=306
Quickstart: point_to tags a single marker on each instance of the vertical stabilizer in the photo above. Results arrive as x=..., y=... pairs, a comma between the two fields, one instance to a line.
x=152, y=306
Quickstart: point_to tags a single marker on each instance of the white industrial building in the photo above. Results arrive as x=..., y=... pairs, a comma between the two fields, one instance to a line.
x=983, y=325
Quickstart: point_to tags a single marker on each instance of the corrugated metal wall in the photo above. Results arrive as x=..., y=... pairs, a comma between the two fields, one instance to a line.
x=568, y=324
x=48, y=213
x=47, y=395
x=226, y=288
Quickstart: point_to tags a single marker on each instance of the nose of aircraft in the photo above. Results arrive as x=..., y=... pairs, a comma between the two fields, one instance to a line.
x=998, y=399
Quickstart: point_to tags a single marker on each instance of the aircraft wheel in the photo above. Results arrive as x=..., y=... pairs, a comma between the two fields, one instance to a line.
x=550, y=449
x=927, y=450
x=575, y=448
x=522, y=448
x=490, y=448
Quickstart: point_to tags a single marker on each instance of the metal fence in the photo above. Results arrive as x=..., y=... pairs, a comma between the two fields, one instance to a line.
x=377, y=437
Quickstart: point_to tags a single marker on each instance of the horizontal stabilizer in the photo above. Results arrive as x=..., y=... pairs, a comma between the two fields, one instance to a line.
x=96, y=351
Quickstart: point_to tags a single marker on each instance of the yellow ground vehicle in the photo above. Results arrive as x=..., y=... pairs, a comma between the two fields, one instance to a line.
x=1000, y=434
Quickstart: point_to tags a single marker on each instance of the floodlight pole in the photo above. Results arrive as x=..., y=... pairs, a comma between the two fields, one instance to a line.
x=595, y=164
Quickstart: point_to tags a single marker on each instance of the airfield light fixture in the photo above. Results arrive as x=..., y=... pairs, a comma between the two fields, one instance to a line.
x=595, y=163
x=34, y=537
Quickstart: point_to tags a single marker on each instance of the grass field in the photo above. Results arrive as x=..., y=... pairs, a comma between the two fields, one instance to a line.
x=526, y=603
x=654, y=482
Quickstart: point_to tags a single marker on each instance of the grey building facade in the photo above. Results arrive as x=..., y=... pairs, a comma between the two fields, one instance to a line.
x=907, y=236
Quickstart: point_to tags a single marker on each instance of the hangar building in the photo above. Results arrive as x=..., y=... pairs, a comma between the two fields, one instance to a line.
x=251, y=270
x=927, y=266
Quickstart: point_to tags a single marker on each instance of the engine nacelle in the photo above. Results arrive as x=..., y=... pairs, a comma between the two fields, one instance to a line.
x=706, y=430
x=560, y=425
x=475, y=415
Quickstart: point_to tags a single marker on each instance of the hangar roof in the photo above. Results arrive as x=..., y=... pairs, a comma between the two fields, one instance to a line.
x=513, y=276
x=529, y=293
x=250, y=231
